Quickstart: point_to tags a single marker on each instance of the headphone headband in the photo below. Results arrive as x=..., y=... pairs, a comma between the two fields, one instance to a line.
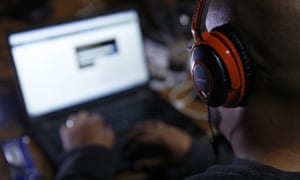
x=198, y=21
x=220, y=67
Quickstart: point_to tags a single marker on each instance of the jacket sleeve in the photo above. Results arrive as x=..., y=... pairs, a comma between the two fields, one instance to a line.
x=87, y=163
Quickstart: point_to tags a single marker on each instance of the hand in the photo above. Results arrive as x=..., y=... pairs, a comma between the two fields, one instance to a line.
x=86, y=129
x=174, y=140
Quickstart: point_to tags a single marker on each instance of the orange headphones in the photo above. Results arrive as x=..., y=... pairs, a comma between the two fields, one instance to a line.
x=220, y=66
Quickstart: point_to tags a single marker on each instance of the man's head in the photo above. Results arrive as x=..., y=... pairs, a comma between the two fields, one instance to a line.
x=269, y=30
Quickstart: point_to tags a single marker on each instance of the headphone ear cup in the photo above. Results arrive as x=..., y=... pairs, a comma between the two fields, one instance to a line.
x=229, y=32
x=215, y=78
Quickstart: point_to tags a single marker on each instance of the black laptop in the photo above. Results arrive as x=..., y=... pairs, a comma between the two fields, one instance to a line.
x=96, y=64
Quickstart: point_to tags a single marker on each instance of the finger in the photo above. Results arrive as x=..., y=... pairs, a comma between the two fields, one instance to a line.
x=73, y=121
x=69, y=123
x=110, y=131
x=135, y=135
x=149, y=124
x=65, y=126
x=151, y=130
x=72, y=116
x=96, y=118
x=83, y=116
x=149, y=139
x=149, y=163
x=149, y=127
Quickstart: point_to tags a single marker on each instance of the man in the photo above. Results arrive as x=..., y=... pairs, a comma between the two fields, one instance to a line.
x=264, y=134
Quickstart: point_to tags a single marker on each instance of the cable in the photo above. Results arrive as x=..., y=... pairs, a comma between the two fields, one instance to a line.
x=181, y=104
x=215, y=142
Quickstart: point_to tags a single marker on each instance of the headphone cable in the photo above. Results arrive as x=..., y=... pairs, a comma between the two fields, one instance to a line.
x=215, y=144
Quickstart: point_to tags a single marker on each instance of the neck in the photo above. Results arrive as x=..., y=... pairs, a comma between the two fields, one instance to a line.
x=269, y=134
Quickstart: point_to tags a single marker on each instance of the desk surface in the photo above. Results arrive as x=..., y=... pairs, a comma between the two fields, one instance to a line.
x=9, y=108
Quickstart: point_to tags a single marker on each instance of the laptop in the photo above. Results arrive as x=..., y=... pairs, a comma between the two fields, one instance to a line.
x=96, y=64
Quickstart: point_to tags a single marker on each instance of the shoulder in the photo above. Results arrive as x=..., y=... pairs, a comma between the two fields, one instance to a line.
x=245, y=170
x=222, y=173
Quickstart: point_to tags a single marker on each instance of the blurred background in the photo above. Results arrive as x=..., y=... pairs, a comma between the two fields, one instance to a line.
x=169, y=17
x=165, y=27
x=166, y=31
x=165, y=22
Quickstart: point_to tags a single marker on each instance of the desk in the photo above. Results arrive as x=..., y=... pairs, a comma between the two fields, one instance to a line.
x=9, y=108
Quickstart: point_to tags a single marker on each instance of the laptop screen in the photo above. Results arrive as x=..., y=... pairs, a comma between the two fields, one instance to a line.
x=63, y=65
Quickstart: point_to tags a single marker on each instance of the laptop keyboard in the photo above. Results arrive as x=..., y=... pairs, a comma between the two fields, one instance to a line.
x=122, y=117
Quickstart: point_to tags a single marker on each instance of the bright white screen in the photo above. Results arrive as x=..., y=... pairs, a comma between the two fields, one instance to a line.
x=68, y=64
